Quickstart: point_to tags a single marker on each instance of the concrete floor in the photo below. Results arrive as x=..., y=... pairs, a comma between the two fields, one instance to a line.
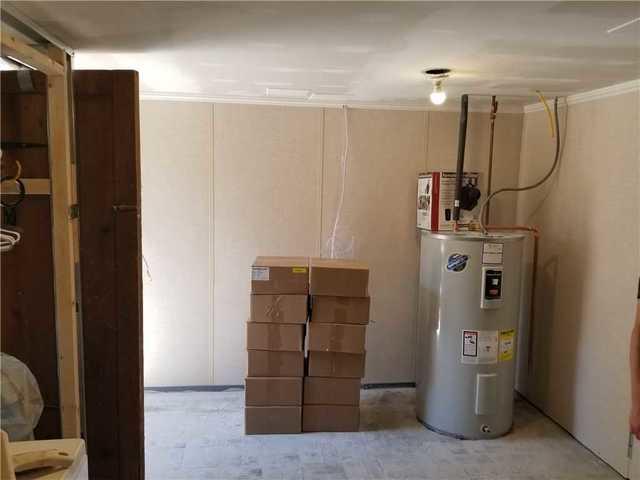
x=199, y=435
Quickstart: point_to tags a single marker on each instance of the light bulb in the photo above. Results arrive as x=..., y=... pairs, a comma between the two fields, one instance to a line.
x=438, y=97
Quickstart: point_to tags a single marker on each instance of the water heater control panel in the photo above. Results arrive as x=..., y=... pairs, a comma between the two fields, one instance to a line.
x=492, y=284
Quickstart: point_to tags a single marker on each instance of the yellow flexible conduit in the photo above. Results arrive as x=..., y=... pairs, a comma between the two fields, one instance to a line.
x=543, y=100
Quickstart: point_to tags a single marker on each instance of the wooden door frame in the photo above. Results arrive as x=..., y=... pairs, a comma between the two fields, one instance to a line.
x=55, y=64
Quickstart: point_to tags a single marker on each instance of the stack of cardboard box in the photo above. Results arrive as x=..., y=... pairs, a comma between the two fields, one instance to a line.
x=336, y=345
x=275, y=340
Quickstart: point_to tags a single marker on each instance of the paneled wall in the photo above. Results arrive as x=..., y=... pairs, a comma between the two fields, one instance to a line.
x=177, y=242
x=244, y=180
x=267, y=183
x=377, y=224
x=577, y=371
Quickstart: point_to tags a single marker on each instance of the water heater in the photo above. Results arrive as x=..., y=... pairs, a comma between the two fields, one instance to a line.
x=467, y=329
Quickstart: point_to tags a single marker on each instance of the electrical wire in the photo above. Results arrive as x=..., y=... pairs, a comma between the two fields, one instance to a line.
x=534, y=185
x=345, y=156
x=546, y=108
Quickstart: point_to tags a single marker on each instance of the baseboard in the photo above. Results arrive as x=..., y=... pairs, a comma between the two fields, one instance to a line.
x=372, y=386
x=195, y=388
x=224, y=388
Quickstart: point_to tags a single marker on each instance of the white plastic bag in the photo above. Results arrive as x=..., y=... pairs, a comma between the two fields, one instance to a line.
x=22, y=402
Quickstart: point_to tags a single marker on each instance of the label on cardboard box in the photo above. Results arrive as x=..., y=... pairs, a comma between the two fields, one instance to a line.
x=260, y=274
x=280, y=275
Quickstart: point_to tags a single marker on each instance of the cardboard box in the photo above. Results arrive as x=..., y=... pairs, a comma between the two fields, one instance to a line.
x=278, y=337
x=272, y=391
x=330, y=418
x=340, y=309
x=263, y=363
x=280, y=275
x=340, y=278
x=279, y=308
x=331, y=391
x=340, y=365
x=436, y=194
x=334, y=337
x=267, y=420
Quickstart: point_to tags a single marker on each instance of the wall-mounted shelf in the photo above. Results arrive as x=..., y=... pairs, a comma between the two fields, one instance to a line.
x=32, y=186
x=14, y=145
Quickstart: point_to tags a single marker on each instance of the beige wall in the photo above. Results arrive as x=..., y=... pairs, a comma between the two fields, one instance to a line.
x=387, y=152
x=268, y=169
x=177, y=242
x=588, y=270
x=273, y=174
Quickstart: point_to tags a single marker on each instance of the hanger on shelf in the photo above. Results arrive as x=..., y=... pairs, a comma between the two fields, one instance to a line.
x=10, y=208
x=8, y=238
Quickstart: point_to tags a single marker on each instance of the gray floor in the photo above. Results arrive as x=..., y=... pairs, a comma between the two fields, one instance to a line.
x=193, y=435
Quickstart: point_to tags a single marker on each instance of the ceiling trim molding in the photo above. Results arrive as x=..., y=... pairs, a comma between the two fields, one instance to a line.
x=597, y=94
x=451, y=106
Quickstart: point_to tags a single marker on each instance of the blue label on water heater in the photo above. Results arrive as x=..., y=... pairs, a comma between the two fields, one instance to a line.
x=457, y=262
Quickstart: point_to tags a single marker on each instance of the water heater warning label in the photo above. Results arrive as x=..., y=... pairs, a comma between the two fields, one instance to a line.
x=507, y=343
x=492, y=253
x=479, y=347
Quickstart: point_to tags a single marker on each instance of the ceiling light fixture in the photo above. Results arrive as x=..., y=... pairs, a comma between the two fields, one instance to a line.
x=437, y=76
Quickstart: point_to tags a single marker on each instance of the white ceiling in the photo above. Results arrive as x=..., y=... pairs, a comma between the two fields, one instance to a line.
x=351, y=52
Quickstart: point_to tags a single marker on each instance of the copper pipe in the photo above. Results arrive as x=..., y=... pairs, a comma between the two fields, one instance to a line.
x=492, y=116
x=534, y=274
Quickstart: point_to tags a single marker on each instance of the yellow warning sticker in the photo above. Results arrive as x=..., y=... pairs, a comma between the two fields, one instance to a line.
x=507, y=344
x=299, y=269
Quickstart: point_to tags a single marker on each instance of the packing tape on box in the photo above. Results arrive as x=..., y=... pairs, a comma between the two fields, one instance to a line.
x=336, y=337
x=274, y=337
x=274, y=311
x=272, y=362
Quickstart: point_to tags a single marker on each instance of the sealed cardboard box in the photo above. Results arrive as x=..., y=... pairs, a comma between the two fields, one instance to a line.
x=331, y=391
x=267, y=420
x=276, y=391
x=279, y=308
x=332, y=364
x=340, y=309
x=337, y=277
x=334, y=337
x=330, y=418
x=436, y=196
x=275, y=337
x=263, y=363
x=280, y=275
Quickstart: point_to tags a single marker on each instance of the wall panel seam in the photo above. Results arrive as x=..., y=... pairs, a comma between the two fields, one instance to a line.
x=211, y=262
x=322, y=153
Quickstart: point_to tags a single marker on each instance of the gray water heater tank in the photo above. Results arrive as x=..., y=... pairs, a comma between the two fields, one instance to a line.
x=467, y=328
